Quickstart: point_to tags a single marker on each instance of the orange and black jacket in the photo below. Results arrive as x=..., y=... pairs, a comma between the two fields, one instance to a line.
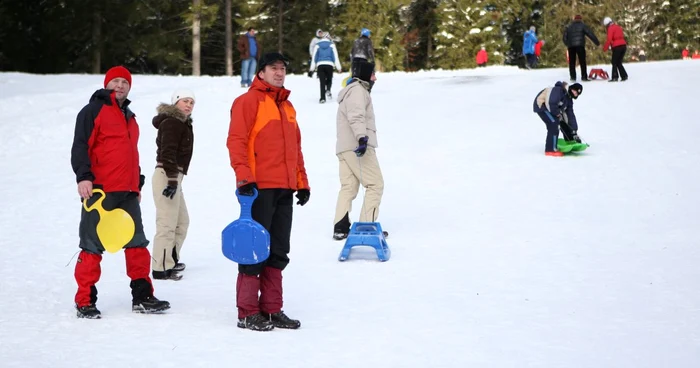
x=264, y=141
x=105, y=145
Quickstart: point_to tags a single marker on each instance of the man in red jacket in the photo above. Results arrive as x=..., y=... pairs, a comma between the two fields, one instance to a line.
x=105, y=155
x=616, y=39
x=264, y=144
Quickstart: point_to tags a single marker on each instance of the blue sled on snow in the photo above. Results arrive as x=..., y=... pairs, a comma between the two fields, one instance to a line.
x=366, y=234
x=245, y=241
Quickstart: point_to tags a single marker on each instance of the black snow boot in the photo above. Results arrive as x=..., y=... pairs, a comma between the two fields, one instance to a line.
x=167, y=275
x=89, y=311
x=256, y=322
x=149, y=304
x=281, y=320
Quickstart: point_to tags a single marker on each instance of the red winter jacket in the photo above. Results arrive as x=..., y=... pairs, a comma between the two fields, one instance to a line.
x=264, y=140
x=105, y=145
x=482, y=57
x=538, y=48
x=616, y=37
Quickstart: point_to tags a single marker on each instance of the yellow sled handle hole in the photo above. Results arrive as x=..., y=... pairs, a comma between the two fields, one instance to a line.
x=97, y=203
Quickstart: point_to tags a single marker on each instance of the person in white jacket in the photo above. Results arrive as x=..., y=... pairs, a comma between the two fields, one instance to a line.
x=355, y=149
x=325, y=57
x=312, y=45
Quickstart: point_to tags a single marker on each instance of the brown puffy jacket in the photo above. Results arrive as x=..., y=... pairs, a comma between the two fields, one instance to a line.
x=175, y=140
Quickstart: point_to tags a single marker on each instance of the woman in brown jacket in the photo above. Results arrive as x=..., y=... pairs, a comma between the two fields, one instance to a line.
x=175, y=142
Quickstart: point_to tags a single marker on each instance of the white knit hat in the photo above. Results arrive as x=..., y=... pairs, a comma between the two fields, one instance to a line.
x=180, y=94
x=607, y=21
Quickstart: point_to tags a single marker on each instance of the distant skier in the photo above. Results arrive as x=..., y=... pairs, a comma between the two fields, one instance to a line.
x=362, y=48
x=538, y=51
x=685, y=54
x=482, y=57
x=529, y=41
x=325, y=57
x=312, y=45
x=555, y=106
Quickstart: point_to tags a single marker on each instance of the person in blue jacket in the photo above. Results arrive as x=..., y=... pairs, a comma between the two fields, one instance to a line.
x=325, y=58
x=555, y=106
x=529, y=41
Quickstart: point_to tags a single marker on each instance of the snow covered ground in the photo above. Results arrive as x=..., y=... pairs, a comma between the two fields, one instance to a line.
x=501, y=257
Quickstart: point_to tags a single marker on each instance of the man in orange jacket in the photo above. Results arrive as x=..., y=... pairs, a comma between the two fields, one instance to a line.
x=264, y=144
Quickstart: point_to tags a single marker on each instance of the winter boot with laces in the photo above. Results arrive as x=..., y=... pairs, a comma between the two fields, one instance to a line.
x=281, y=320
x=255, y=322
x=89, y=311
x=149, y=304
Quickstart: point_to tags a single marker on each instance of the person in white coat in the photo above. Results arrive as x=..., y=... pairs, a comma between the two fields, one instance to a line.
x=312, y=45
x=356, y=150
x=325, y=58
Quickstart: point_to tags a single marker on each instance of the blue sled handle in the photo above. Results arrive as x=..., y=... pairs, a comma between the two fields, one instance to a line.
x=246, y=203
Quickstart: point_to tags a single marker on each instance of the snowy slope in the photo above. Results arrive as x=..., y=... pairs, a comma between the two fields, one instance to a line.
x=502, y=257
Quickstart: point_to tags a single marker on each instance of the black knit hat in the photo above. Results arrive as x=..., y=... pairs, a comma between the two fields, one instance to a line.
x=575, y=87
x=362, y=70
x=271, y=58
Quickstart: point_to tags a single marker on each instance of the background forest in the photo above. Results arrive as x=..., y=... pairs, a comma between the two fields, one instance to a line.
x=190, y=36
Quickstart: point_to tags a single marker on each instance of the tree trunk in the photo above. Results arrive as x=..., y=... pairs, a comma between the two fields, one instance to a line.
x=573, y=9
x=279, y=26
x=196, y=46
x=229, y=40
x=96, y=40
x=429, y=52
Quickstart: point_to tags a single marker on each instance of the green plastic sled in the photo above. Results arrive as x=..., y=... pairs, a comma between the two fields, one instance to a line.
x=566, y=147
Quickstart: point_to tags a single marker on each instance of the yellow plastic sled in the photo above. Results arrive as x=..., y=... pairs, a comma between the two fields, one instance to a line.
x=116, y=227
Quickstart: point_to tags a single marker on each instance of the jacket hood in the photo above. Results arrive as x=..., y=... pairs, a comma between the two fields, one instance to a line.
x=166, y=111
x=353, y=84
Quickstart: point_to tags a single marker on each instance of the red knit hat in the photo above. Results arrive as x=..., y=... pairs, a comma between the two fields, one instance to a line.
x=117, y=72
x=578, y=17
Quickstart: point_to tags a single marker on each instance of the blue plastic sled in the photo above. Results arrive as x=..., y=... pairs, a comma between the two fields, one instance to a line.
x=367, y=234
x=245, y=241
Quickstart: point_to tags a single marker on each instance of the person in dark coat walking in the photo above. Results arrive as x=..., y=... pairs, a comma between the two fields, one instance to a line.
x=362, y=48
x=575, y=40
x=555, y=106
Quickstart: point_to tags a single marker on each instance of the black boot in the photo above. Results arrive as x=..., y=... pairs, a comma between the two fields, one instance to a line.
x=179, y=267
x=281, y=320
x=256, y=322
x=149, y=304
x=89, y=311
x=342, y=228
x=167, y=275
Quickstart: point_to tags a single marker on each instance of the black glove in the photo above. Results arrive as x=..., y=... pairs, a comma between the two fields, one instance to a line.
x=303, y=195
x=170, y=190
x=575, y=137
x=311, y=74
x=362, y=147
x=247, y=190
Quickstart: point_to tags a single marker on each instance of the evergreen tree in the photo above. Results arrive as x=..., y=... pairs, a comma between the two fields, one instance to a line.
x=419, y=39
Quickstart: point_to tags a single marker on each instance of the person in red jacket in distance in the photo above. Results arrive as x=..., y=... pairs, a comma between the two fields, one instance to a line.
x=616, y=40
x=482, y=57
